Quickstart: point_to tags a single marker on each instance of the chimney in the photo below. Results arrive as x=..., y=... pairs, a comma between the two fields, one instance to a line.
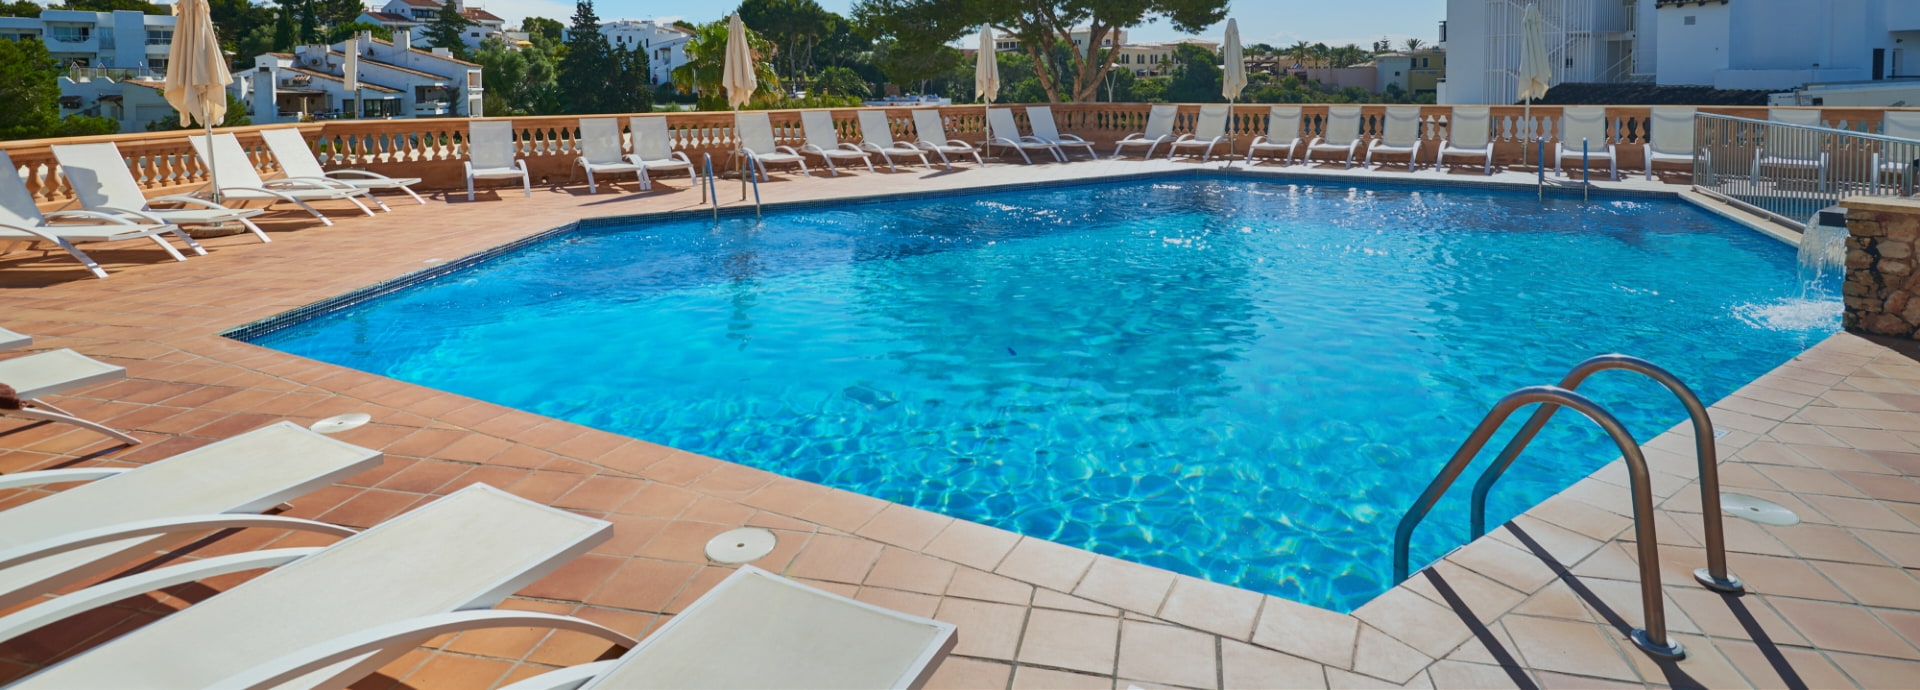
x=403, y=38
x=459, y=6
x=366, y=41
x=443, y=52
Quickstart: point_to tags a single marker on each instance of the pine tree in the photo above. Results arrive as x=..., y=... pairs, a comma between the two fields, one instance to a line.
x=629, y=91
x=309, y=23
x=584, y=74
x=29, y=81
x=448, y=30
x=284, y=35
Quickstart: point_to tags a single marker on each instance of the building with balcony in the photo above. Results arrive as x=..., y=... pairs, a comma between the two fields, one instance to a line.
x=1148, y=59
x=1078, y=37
x=1415, y=71
x=664, y=44
x=415, y=15
x=1749, y=44
x=130, y=42
x=395, y=82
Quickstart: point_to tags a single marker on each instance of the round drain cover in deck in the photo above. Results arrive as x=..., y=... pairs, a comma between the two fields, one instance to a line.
x=1757, y=509
x=740, y=545
x=339, y=423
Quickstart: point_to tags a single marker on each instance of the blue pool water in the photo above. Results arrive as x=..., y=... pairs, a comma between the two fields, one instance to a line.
x=1246, y=381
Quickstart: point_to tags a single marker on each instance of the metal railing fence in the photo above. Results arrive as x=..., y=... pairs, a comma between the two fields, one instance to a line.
x=1790, y=171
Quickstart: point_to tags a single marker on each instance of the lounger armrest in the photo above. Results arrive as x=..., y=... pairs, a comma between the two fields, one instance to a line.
x=361, y=173
x=844, y=146
x=786, y=149
x=1258, y=140
x=90, y=215
x=1183, y=138
x=1136, y=136
x=263, y=190
x=957, y=142
x=142, y=215
x=1074, y=138
x=185, y=200
x=42, y=237
x=410, y=633
x=317, y=183
x=147, y=528
x=566, y=678
x=1316, y=141
x=682, y=155
x=73, y=603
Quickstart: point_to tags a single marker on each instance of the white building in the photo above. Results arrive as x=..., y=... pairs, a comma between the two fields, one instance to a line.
x=125, y=41
x=1749, y=44
x=1079, y=37
x=415, y=15
x=664, y=44
x=1155, y=57
x=395, y=81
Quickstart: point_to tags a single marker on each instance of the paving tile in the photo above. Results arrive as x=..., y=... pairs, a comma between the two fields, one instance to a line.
x=1215, y=608
x=1772, y=667
x=1568, y=647
x=1167, y=654
x=1842, y=628
x=905, y=527
x=973, y=584
x=835, y=559
x=987, y=630
x=1428, y=627
x=1246, y=667
x=960, y=673
x=1045, y=563
x=909, y=571
x=1073, y=641
x=972, y=544
x=1033, y=678
x=1873, y=585
x=1877, y=672
x=1458, y=674
x=1304, y=631
x=1126, y=585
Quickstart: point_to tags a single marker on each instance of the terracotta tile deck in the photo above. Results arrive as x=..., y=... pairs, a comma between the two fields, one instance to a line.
x=1542, y=602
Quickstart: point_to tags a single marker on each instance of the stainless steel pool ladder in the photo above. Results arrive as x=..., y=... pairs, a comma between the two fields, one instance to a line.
x=709, y=193
x=1652, y=638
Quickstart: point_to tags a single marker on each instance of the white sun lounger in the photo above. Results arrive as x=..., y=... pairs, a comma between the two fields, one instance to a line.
x=1672, y=137
x=653, y=150
x=1588, y=124
x=296, y=159
x=1400, y=135
x=756, y=140
x=331, y=618
x=1340, y=135
x=22, y=222
x=824, y=141
x=1282, y=137
x=491, y=155
x=103, y=184
x=1040, y=119
x=126, y=514
x=1903, y=124
x=1772, y=156
x=601, y=152
x=1159, y=131
x=876, y=136
x=52, y=373
x=759, y=630
x=1208, y=131
x=10, y=340
x=1469, y=133
x=1002, y=130
x=238, y=181
x=932, y=136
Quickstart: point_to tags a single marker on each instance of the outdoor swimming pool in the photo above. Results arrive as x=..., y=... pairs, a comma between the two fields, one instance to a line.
x=1246, y=381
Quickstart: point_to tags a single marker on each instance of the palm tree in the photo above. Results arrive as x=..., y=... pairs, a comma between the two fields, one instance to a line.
x=1321, y=54
x=707, y=60
x=1414, y=44
x=1300, y=52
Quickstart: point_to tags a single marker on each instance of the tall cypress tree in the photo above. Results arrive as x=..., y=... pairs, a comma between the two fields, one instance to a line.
x=284, y=35
x=628, y=90
x=584, y=73
x=447, y=29
x=309, y=23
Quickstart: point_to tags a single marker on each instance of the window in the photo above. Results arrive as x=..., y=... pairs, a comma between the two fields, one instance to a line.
x=159, y=37
x=1687, y=20
x=1423, y=62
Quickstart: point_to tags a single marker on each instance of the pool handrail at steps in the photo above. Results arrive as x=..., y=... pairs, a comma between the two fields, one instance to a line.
x=1715, y=575
x=1653, y=637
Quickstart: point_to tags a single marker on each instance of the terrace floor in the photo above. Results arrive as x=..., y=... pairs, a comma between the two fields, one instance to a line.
x=1542, y=602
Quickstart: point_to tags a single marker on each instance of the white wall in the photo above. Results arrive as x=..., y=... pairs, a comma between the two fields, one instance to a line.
x=1691, y=55
x=1467, y=57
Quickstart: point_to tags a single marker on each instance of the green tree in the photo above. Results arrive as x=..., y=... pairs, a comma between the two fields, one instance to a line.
x=546, y=33
x=285, y=35
x=1413, y=44
x=1040, y=26
x=519, y=81
x=341, y=32
x=628, y=89
x=233, y=20
x=254, y=42
x=448, y=30
x=20, y=8
x=1196, y=76
x=332, y=13
x=840, y=81
x=903, y=64
x=30, y=84
x=793, y=26
x=584, y=73
x=309, y=22
x=706, y=61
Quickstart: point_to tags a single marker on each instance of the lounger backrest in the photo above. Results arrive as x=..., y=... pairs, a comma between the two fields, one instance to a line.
x=490, y=144
x=1283, y=123
x=465, y=551
x=1001, y=125
x=1588, y=124
x=228, y=161
x=874, y=128
x=1673, y=130
x=1160, y=120
x=290, y=150
x=1040, y=118
x=1403, y=126
x=248, y=473
x=600, y=140
x=651, y=141
x=99, y=176
x=928, y=127
x=16, y=203
x=1468, y=128
x=1804, y=117
x=1212, y=123
x=818, y=125
x=1343, y=124
x=755, y=131
x=1904, y=124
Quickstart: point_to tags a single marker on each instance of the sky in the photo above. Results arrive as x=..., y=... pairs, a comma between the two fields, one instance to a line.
x=1277, y=22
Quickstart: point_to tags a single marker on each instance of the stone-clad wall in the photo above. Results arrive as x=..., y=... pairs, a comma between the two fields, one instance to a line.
x=1882, y=285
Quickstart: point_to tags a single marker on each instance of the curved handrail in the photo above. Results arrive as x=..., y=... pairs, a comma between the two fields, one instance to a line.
x=1715, y=576
x=754, y=170
x=710, y=192
x=1652, y=638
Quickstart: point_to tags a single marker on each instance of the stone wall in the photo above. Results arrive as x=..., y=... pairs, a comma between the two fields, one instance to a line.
x=1882, y=286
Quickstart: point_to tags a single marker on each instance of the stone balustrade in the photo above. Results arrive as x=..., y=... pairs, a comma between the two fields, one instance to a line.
x=432, y=149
